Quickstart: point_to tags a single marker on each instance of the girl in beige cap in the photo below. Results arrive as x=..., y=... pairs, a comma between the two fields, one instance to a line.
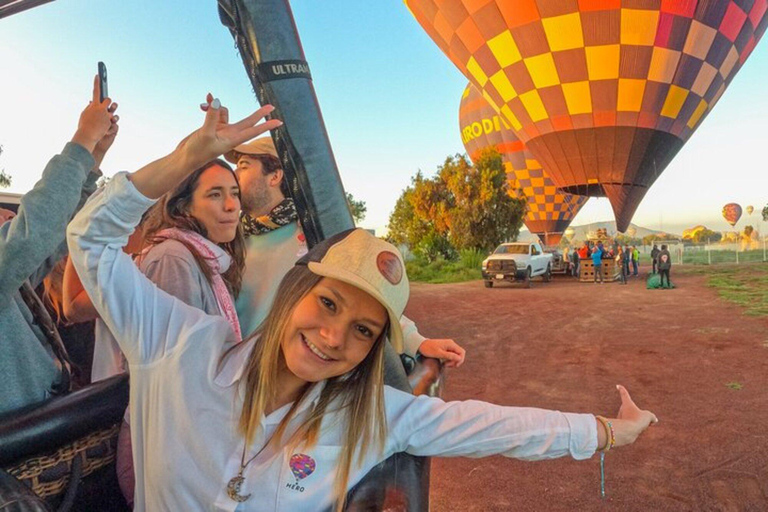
x=294, y=416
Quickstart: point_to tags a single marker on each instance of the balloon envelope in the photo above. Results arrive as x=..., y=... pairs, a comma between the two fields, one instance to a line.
x=604, y=93
x=732, y=213
x=750, y=209
x=549, y=211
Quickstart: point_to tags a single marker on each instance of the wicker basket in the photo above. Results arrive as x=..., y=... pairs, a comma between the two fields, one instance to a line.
x=49, y=475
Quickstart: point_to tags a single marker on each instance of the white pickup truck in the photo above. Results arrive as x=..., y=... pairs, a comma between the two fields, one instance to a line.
x=517, y=261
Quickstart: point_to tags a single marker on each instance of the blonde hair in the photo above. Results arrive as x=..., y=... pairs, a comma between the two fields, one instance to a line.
x=53, y=291
x=359, y=393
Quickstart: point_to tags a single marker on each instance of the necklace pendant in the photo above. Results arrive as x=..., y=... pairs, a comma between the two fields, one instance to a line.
x=233, y=489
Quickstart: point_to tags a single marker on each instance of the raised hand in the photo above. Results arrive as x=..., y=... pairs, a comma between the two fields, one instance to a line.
x=214, y=138
x=106, y=141
x=218, y=136
x=95, y=120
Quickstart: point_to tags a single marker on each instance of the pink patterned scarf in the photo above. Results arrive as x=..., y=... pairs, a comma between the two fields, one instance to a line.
x=203, y=246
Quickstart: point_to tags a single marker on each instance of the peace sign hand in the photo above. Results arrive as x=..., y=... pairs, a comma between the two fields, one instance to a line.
x=217, y=135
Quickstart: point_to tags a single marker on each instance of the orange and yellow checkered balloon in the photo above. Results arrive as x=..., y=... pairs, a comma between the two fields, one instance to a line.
x=604, y=93
x=549, y=211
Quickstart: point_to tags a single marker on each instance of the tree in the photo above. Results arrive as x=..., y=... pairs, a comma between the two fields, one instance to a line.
x=765, y=213
x=406, y=227
x=623, y=239
x=357, y=208
x=658, y=237
x=706, y=236
x=482, y=213
x=464, y=204
x=5, y=179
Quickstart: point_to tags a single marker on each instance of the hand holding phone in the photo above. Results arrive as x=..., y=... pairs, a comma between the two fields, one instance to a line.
x=104, y=92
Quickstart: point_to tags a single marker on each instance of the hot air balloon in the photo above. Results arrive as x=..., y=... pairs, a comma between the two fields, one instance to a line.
x=549, y=211
x=732, y=213
x=604, y=93
x=750, y=209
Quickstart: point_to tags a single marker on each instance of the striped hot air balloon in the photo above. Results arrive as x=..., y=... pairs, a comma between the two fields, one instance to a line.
x=549, y=211
x=604, y=93
x=732, y=213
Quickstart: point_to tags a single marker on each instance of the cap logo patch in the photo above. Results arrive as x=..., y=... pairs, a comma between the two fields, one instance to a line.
x=390, y=267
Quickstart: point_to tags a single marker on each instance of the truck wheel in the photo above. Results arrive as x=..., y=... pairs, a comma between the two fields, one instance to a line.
x=489, y=284
x=528, y=278
x=548, y=274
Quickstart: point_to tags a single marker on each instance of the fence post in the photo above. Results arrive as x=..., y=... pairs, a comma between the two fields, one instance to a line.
x=737, y=255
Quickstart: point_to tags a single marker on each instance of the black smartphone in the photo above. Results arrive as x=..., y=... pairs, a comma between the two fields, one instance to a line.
x=103, y=81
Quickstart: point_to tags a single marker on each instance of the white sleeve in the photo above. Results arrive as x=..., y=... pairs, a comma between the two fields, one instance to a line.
x=429, y=426
x=412, y=340
x=146, y=321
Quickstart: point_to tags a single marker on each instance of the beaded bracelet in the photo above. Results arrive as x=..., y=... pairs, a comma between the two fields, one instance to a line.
x=613, y=434
x=610, y=442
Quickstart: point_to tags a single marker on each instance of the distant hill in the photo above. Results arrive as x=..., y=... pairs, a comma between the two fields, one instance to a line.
x=581, y=232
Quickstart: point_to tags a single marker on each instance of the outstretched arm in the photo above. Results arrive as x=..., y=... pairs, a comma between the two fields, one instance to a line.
x=430, y=427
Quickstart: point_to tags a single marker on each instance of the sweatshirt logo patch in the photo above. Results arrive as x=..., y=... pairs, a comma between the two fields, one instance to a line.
x=301, y=466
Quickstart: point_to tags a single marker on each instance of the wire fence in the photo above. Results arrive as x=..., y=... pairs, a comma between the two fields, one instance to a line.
x=710, y=254
x=715, y=254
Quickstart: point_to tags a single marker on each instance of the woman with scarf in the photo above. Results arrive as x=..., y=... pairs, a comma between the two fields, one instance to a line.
x=193, y=249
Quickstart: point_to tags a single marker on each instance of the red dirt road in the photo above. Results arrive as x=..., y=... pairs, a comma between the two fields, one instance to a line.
x=565, y=345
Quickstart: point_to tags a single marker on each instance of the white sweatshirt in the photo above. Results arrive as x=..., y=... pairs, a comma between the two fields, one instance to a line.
x=185, y=400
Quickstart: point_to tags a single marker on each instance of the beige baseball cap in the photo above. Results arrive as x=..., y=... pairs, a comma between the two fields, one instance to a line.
x=262, y=146
x=359, y=258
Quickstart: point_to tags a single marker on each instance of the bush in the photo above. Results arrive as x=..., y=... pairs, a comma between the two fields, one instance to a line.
x=471, y=258
x=433, y=247
x=441, y=270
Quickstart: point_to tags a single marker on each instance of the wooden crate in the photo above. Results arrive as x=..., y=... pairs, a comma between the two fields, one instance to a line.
x=610, y=270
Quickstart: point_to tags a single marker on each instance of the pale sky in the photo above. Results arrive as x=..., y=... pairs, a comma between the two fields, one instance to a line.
x=389, y=97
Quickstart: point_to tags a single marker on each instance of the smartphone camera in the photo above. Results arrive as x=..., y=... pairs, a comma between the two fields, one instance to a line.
x=103, y=81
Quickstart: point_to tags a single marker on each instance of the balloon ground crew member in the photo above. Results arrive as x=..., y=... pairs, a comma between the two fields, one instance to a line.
x=654, y=257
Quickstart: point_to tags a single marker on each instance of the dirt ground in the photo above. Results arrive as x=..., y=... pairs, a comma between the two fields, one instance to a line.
x=690, y=357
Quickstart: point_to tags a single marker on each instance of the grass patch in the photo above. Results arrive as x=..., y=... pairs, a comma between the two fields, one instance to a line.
x=745, y=285
x=693, y=257
x=443, y=271
x=734, y=385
